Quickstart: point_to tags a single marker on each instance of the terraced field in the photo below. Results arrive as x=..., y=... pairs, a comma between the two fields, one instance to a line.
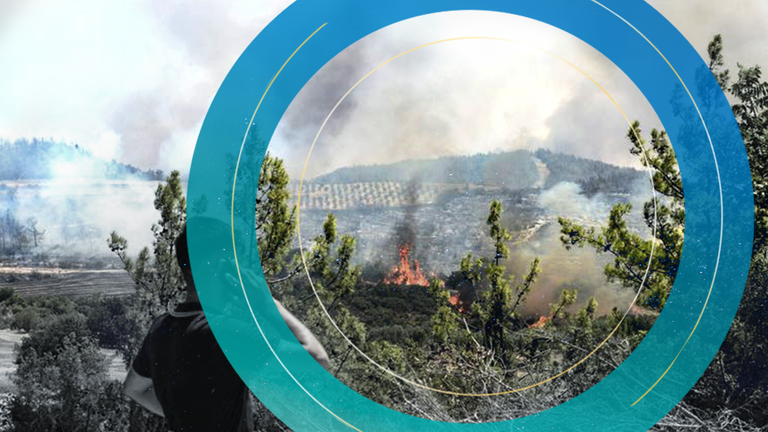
x=30, y=281
x=342, y=196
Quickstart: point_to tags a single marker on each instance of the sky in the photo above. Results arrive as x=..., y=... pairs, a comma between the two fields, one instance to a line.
x=132, y=81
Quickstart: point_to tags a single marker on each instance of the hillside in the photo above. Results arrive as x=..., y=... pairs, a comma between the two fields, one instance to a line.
x=515, y=170
x=39, y=159
x=593, y=176
x=520, y=169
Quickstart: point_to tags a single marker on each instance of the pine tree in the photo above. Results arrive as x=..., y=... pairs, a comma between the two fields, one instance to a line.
x=275, y=218
x=275, y=221
x=504, y=294
x=632, y=253
x=733, y=377
x=157, y=275
x=335, y=277
x=445, y=321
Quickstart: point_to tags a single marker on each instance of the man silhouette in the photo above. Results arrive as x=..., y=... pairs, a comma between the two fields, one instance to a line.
x=182, y=374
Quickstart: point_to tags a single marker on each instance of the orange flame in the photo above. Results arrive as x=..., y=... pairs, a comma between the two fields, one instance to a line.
x=455, y=300
x=540, y=323
x=402, y=274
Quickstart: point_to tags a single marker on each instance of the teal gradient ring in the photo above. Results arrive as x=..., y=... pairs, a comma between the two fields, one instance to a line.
x=636, y=38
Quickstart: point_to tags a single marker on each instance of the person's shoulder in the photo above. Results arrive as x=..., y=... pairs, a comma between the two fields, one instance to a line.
x=159, y=321
x=198, y=326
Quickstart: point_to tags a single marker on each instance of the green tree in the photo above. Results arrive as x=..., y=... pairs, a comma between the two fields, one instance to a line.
x=335, y=277
x=160, y=284
x=27, y=319
x=111, y=322
x=504, y=294
x=158, y=275
x=634, y=255
x=6, y=293
x=751, y=112
x=445, y=321
x=586, y=315
x=567, y=298
x=275, y=218
x=275, y=221
x=733, y=378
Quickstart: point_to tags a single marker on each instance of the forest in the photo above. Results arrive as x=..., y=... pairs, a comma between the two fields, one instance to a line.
x=459, y=333
x=512, y=170
x=51, y=156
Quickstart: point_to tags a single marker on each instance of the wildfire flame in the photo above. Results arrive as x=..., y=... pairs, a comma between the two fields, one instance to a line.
x=402, y=274
x=540, y=323
x=636, y=310
x=455, y=300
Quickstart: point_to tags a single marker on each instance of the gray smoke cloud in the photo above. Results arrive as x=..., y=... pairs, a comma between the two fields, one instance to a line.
x=189, y=50
x=458, y=97
x=79, y=223
x=158, y=127
x=404, y=233
x=577, y=268
x=306, y=114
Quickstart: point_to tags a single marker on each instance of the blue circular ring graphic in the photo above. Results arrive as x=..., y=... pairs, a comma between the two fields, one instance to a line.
x=646, y=47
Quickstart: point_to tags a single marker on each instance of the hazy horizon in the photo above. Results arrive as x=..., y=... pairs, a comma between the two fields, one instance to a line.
x=136, y=89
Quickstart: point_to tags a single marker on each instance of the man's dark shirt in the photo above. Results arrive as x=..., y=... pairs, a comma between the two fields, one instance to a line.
x=193, y=380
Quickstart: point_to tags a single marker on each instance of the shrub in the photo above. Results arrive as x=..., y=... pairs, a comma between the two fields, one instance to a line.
x=28, y=319
x=60, y=377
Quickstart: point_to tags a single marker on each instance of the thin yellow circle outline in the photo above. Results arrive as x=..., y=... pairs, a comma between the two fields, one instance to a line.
x=301, y=248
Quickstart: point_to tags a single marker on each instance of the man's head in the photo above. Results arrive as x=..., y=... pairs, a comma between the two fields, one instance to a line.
x=217, y=238
x=182, y=257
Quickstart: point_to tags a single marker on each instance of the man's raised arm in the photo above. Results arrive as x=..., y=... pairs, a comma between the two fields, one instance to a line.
x=304, y=336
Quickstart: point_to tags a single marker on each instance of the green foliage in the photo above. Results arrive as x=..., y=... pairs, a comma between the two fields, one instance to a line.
x=591, y=175
x=394, y=314
x=498, y=233
x=160, y=284
x=388, y=355
x=52, y=304
x=567, y=298
x=516, y=169
x=445, y=321
x=335, y=277
x=751, y=112
x=30, y=314
x=498, y=302
x=275, y=219
x=275, y=222
x=634, y=255
x=735, y=379
x=586, y=315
